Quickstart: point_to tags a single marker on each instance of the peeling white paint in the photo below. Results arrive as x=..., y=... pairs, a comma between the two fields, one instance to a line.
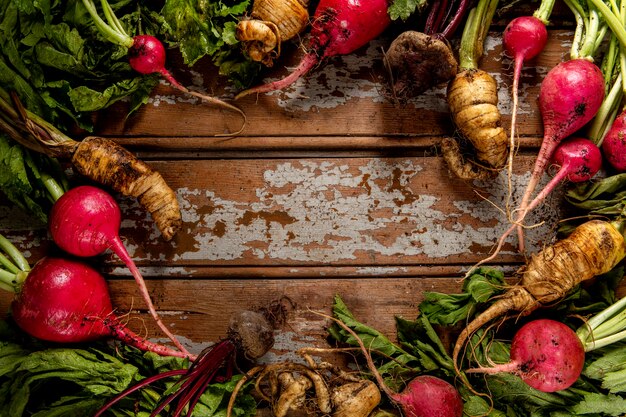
x=172, y=271
x=325, y=226
x=380, y=270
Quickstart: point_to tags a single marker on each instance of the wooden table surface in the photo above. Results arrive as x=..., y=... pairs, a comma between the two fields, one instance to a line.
x=331, y=189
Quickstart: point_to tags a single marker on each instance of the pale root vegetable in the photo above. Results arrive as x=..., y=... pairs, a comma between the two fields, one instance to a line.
x=250, y=333
x=578, y=160
x=473, y=101
x=569, y=97
x=338, y=27
x=85, y=221
x=546, y=354
x=271, y=22
x=100, y=160
x=593, y=248
x=67, y=301
x=614, y=144
x=355, y=399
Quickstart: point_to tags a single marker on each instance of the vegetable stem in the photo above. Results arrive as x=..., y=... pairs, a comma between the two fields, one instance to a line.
x=606, y=327
x=474, y=33
x=14, y=254
x=544, y=11
x=112, y=34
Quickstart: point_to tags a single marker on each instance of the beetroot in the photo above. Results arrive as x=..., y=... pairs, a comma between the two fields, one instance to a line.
x=546, y=354
x=339, y=27
x=429, y=396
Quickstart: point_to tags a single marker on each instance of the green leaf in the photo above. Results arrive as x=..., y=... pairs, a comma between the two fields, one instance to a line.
x=403, y=9
x=595, y=403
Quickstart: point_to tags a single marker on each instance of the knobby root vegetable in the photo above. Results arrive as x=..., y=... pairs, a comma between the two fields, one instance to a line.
x=473, y=101
x=100, y=160
x=249, y=333
x=592, y=249
x=546, y=354
x=339, y=27
x=271, y=23
x=417, y=61
x=317, y=389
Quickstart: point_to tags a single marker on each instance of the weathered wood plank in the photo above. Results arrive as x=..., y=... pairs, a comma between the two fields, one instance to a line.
x=398, y=211
x=346, y=96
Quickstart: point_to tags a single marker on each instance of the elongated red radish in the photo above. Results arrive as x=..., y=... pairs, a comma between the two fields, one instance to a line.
x=523, y=38
x=67, y=301
x=546, y=354
x=614, y=144
x=339, y=27
x=578, y=160
x=85, y=221
x=569, y=97
x=146, y=53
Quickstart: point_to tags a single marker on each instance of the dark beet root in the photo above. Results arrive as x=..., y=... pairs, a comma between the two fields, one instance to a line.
x=417, y=62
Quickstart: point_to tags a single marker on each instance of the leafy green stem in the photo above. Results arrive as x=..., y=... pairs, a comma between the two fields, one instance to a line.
x=474, y=33
x=606, y=327
x=544, y=11
x=111, y=33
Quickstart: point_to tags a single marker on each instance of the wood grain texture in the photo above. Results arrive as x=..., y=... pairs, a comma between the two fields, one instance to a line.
x=332, y=188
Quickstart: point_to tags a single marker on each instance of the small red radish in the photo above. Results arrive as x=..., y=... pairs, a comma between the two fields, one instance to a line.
x=569, y=97
x=524, y=38
x=546, y=354
x=67, y=301
x=339, y=27
x=578, y=160
x=145, y=52
x=614, y=144
x=85, y=221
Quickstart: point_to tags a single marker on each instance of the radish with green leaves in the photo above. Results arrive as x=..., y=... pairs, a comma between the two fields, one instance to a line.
x=85, y=221
x=145, y=52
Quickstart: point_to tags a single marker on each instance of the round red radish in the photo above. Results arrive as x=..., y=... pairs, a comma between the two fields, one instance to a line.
x=85, y=221
x=147, y=55
x=67, y=301
x=338, y=27
x=525, y=37
x=579, y=158
x=614, y=144
x=429, y=396
x=546, y=354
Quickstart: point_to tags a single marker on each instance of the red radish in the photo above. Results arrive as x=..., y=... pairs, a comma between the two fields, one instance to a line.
x=578, y=159
x=85, y=221
x=423, y=396
x=339, y=27
x=523, y=38
x=546, y=354
x=67, y=301
x=570, y=96
x=146, y=53
x=614, y=144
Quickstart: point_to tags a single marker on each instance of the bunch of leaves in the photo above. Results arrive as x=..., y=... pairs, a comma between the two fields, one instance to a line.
x=38, y=379
x=207, y=28
x=403, y=9
x=31, y=181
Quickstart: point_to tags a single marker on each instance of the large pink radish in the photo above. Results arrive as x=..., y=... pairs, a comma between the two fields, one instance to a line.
x=546, y=354
x=569, y=98
x=67, y=301
x=339, y=27
x=85, y=221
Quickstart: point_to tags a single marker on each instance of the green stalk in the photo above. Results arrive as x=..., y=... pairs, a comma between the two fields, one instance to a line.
x=544, y=11
x=591, y=34
x=612, y=20
x=111, y=18
x=13, y=271
x=579, y=16
x=474, y=33
x=606, y=114
x=113, y=35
